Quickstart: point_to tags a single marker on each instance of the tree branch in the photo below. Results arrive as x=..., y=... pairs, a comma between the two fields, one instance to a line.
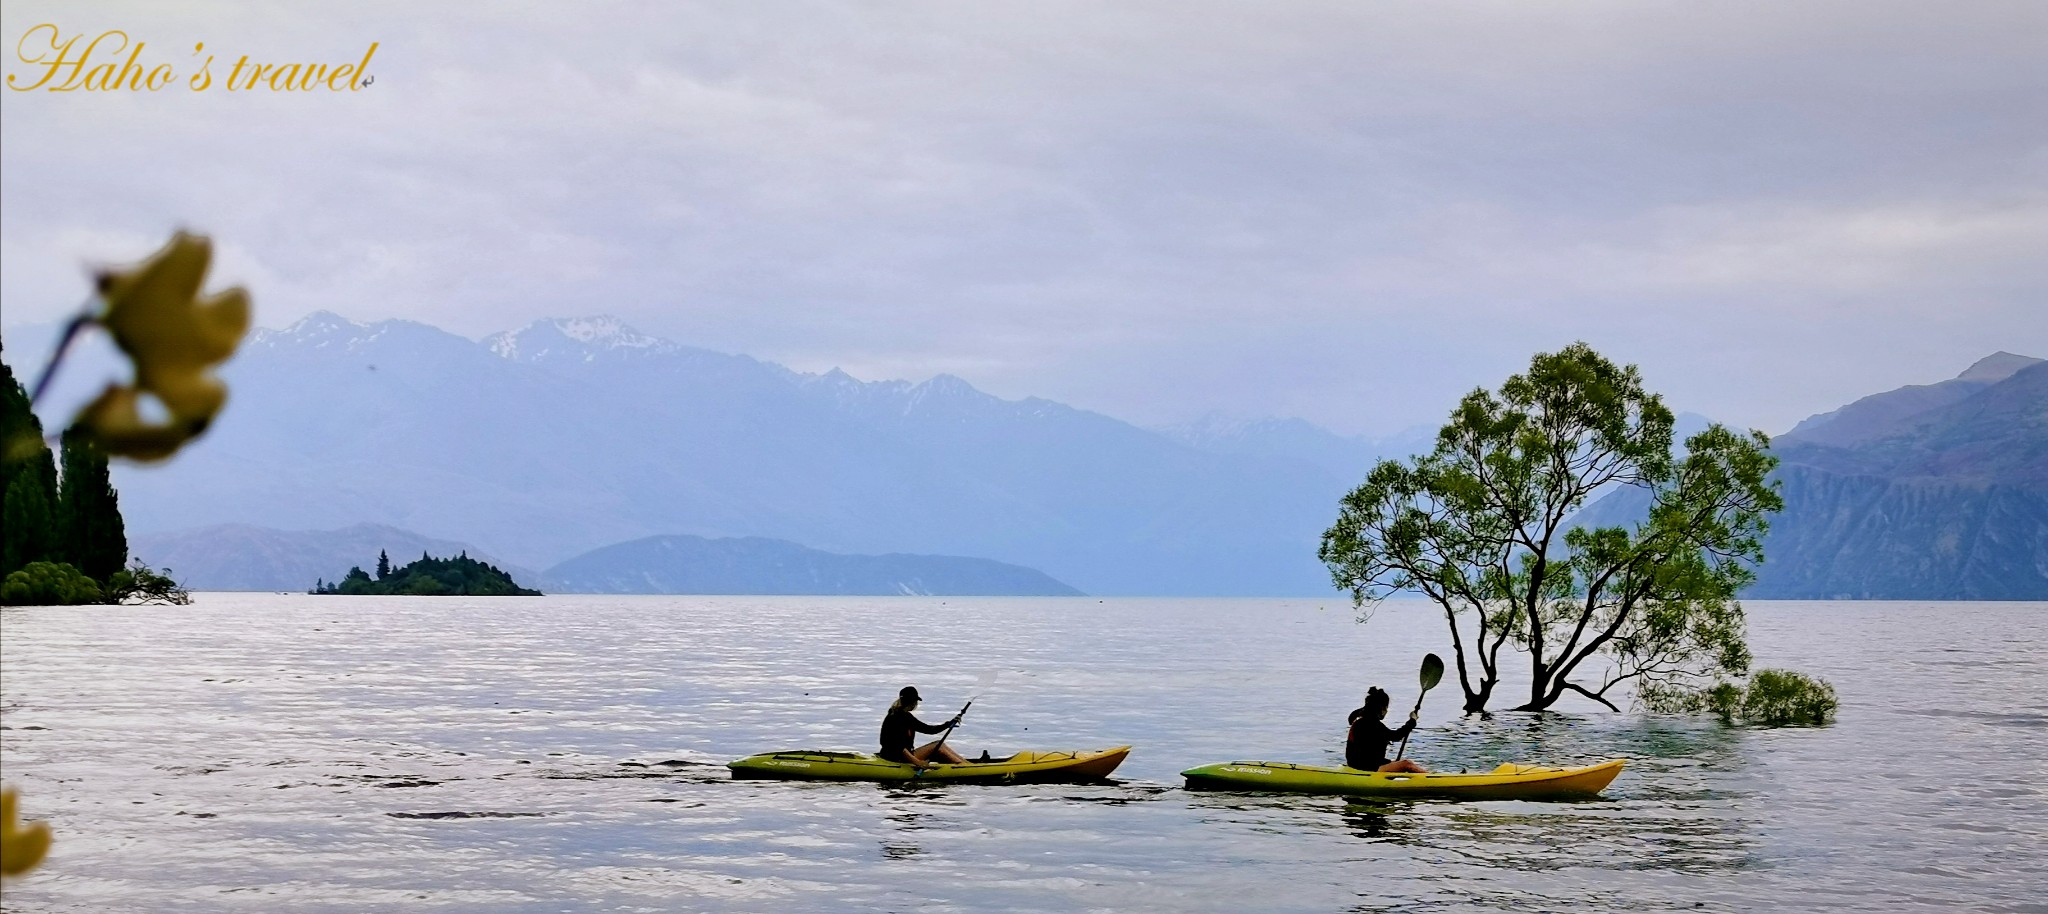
x=1582, y=691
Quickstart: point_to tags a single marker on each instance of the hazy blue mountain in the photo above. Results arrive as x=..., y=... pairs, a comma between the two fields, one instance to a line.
x=1844, y=536
x=246, y=557
x=1929, y=492
x=1946, y=502
x=569, y=435
x=755, y=565
x=1995, y=434
x=1309, y=447
x=1879, y=415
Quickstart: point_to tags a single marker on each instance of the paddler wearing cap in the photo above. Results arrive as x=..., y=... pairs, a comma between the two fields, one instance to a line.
x=900, y=730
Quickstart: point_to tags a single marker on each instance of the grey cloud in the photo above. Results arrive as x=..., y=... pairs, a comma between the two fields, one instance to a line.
x=1349, y=212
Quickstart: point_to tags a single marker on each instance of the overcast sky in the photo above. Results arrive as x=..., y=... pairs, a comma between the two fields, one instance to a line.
x=1350, y=212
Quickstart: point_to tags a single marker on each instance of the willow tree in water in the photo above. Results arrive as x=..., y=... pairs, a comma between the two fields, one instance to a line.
x=1488, y=527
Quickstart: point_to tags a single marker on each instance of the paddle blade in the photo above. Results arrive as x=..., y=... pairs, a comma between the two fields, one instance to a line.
x=1432, y=671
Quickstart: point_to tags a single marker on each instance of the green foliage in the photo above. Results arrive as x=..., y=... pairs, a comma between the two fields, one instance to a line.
x=142, y=584
x=1720, y=699
x=21, y=433
x=28, y=482
x=459, y=576
x=28, y=517
x=60, y=540
x=1781, y=697
x=49, y=584
x=91, y=533
x=1772, y=698
x=1481, y=525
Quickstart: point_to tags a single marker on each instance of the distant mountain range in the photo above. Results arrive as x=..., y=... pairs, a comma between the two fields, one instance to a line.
x=572, y=435
x=248, y=557
x=1925, y=492
x=1928, y=492
x=582, y=436
x=753, y=565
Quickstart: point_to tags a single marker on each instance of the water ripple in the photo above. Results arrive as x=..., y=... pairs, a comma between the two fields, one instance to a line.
x=268, y=753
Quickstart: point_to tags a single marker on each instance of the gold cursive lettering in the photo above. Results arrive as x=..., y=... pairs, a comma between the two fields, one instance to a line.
x=62, y=51
x=363, y=69
x=204, y=78
x=110, y=62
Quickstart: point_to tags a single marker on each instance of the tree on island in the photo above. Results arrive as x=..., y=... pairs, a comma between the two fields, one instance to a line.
x=1483, y=527
x=459, y=576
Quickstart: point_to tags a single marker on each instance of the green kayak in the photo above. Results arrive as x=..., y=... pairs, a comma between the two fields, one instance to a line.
x=1022, y=768
x=1508, y=782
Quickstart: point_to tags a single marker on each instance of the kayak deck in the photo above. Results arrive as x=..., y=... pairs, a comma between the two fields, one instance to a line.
x=1029, y=767
x=1507, y=782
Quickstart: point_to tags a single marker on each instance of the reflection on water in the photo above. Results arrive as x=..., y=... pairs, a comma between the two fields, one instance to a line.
x=1378, y=821
x=567, y=754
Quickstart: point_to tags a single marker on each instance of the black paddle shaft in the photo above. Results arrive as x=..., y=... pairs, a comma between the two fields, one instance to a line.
x=949, y=730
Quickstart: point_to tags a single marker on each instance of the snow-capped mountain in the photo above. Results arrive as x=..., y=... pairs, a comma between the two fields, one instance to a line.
x=585, y=338
x=570, y=435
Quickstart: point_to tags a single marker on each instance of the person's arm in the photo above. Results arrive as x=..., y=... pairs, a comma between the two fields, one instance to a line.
x=923, y=727
x=1404, y=729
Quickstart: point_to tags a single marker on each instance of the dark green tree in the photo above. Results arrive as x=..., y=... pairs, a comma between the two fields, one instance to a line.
x=92, y=537
x=357, y=581
x=29, y=519
x=383, y=565
x=28, y=481
x=1482, y=526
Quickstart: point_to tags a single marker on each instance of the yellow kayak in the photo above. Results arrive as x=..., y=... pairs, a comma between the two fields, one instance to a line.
x=1022, y=768
x=1508, y=782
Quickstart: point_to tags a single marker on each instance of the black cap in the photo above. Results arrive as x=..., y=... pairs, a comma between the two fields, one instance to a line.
x=909, y=692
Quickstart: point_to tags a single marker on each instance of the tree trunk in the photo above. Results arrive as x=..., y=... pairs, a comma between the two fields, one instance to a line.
x=1475, y=702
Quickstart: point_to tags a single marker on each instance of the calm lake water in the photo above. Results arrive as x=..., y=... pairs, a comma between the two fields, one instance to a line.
x=291, y=753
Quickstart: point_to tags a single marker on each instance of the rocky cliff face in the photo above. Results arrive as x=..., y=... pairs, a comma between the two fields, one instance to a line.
x=1869, y=537
x=1936, y=492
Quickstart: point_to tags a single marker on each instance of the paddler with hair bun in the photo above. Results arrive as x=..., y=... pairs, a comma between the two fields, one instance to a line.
x=900, y=729
x=1365, y=747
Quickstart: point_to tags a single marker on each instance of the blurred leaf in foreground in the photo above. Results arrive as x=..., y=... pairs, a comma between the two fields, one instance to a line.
x=175, y=337
x=20, y=848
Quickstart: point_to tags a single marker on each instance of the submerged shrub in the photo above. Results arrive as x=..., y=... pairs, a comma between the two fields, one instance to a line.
x=1771, y=698
x=1721, y=699
x=1780, y=697
x=139, y=583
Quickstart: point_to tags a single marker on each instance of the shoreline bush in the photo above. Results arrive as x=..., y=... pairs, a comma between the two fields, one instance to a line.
x=50, y=584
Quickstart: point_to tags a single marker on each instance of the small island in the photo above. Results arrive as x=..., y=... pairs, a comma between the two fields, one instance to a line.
x=461, y=576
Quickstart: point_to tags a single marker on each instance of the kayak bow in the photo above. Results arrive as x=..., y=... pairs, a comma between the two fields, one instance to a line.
x=1508, y=782
x=1023, y=768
